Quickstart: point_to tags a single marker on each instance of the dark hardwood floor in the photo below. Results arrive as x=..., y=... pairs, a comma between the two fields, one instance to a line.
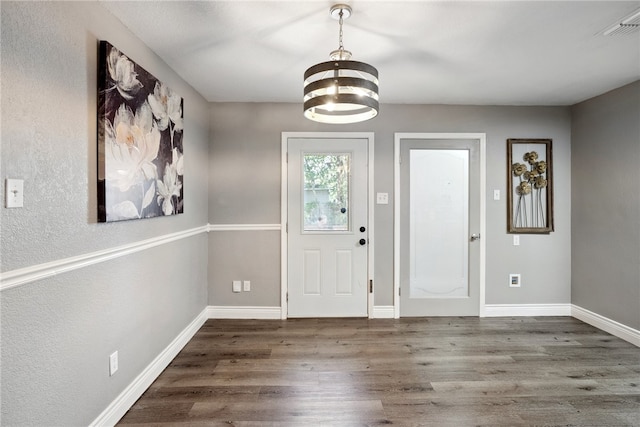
x=551, y=371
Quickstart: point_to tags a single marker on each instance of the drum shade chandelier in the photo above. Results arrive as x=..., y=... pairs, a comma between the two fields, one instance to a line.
x=341, y=90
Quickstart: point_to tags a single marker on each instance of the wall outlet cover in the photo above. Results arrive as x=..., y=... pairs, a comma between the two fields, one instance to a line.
x=237, y=286
x=514, y=280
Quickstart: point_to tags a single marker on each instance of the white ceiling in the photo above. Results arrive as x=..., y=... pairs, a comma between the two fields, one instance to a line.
x=427, y=52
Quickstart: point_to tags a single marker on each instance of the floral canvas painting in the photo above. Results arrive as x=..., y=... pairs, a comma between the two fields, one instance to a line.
x=140, y=151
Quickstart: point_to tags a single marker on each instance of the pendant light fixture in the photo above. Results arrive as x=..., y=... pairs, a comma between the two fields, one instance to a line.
x=341, y=90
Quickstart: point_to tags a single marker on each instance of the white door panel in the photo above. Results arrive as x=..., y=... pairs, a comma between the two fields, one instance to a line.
x=327, y=206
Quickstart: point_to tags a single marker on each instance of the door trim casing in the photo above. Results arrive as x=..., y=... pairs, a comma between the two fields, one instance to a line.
x=284, y=197
x=398, y=137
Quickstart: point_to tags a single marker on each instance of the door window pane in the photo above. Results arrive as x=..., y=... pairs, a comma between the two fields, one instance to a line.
x=326, y=191
x=439, y=223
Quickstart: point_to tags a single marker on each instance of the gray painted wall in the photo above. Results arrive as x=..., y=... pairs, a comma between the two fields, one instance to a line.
x=245, y=189
x=57, y=333
x=605, y=201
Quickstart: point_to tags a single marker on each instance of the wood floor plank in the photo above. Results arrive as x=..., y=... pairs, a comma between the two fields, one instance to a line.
x=291, y=410
x=441, y=371
x=201, y=394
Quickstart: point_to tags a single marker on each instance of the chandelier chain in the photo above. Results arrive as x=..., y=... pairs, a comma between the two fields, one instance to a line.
x=340, y=45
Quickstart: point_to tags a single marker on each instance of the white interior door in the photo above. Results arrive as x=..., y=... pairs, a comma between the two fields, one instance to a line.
x=439, y=227
x=327, y=234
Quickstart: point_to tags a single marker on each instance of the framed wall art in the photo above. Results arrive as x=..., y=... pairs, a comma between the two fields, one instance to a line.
x=529, y=186
x=140, y=150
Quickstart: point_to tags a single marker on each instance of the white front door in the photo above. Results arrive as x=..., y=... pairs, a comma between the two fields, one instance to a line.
x=327, y=229
x=439, y=230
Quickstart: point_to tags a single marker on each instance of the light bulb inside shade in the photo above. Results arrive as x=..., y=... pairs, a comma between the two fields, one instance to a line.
x=358, y=91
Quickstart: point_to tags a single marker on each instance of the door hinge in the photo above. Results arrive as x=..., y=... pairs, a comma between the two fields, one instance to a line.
x=399, y=292
x=286, y=227
x=287, y=156
x=371, y=286
x=287, y=296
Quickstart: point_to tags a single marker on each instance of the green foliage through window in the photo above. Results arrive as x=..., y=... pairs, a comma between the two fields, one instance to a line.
x=326, y=191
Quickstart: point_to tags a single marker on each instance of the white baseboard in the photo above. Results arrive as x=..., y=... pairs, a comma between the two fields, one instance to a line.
x=604, y=323
x=383, y=312
x=116, y=410
x=224, y=312
x=508, y=310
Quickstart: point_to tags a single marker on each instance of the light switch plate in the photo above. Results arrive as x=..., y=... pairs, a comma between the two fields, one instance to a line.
x=496, y=194
x=14, y=193
x=237, y=286
x=113, y=363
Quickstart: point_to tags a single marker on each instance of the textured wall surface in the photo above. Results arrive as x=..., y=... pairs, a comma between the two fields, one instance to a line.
x=606, y=205
x=245, y=255
x=57, y=333
x=245, y=189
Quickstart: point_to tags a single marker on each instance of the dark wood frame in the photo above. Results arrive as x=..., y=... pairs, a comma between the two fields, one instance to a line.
x=538, y=217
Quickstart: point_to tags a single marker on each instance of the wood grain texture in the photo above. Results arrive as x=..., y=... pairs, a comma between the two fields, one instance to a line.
x=406, y=372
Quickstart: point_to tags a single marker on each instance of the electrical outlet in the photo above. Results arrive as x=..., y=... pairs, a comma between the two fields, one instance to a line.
x=516, y=240
x=382, y=198
x=237, y=286
x=113, y=363
x=246, y=285
x=514, y=280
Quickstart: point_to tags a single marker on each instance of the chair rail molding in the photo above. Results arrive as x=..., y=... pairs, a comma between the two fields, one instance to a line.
x=26, y=275
x=23, y=276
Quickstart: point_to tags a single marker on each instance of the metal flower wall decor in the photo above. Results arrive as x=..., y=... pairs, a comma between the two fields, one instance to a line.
x=530, y=193
x=140, y=151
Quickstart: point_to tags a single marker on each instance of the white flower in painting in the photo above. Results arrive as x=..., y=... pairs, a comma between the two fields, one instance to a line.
x=170, y=185
x=132, y=143
x=122, y=210
x=177, y=160
x=122, y=72
x=166, y=105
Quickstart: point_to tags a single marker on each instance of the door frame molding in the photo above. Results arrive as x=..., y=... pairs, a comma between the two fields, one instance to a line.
x=482, y=140
x=284, y=198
